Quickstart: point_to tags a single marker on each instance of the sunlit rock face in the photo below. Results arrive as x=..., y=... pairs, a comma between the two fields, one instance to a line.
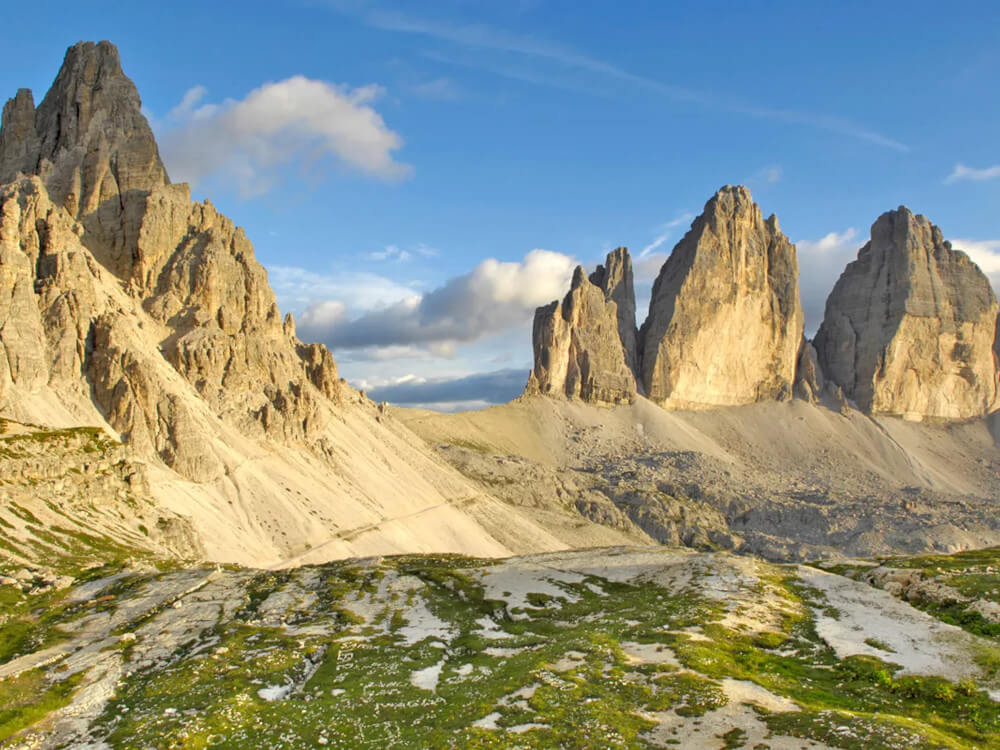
x=585, y=346
x=910, y=327
x=725, y=320
x=113, y=282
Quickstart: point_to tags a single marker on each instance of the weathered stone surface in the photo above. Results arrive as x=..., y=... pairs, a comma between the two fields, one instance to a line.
x=725, y=320
x=809, y=381
x=98, y=217
x=910, y=326
x=19, y=141
x=585, y=345
x=91, y=145
x=615, y=279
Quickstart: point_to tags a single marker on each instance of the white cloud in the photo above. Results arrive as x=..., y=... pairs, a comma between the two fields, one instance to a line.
x=391, y=252
x=358, y=291
x=396, y=253
x=185, y=109
x=961, y=173
x=426, y=250
x=493, y=297
x=985, y=254
x=326, y=313
x=769, y=175
x=292, y=122
x=820, y=264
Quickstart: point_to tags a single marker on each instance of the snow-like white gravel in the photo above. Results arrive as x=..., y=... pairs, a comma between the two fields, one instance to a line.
x=921, y=644
x=427, y=678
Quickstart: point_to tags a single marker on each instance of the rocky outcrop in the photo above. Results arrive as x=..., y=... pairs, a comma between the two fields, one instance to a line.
x=127, y=306
x=615, y=279
x=95, y=240
x=90, y=143
x=585, y=346
x=910, y=326
x=809, y=380
x=725, y=320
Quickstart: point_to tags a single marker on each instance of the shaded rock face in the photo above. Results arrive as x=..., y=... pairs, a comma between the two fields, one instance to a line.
x=116, y=286
x=910, y=326
x=585, y=346
x=90, y=143
x=725, y=320
x=615, y=279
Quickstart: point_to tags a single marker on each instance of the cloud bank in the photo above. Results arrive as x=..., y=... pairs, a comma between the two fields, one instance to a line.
x=481, y=389
x=295, y=121
x=491, y=298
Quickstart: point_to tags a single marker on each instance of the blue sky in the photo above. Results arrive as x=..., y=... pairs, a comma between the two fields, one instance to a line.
x=417, y=177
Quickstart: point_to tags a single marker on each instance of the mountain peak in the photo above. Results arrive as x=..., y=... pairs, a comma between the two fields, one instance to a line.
x=91, y=145
x=910, y=326
x=725, y=321
x=89, y=127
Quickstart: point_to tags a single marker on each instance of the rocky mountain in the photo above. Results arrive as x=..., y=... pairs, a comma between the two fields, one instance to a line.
x=724, y=325
x=127, y=306
x=910, y=327
x=725, y=321
x=585, y=346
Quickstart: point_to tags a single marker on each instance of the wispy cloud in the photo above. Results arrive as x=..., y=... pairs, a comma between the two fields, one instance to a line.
x=401, y=255
x=962, y=173
x=766, y=176
x=439, y=89
x=651, y=258
x=390, y=252
x=665, y=232
x=483, y=37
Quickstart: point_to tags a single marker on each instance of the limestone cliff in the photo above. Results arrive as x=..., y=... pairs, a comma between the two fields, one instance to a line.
x=100, y=208
x=90, y=143
x=126, y=305
x=910, y=326
x=585, y=346
x=725, y=321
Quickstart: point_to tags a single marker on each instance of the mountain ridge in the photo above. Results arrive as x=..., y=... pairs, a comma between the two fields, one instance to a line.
x=126, y=305
x=911, y=327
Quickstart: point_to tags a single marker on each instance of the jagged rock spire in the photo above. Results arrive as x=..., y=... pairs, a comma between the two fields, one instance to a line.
x=90, y=143
x=89, y=129
x=725, y=320
x=585, y=347
x=909, y=328
x=114, y=283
